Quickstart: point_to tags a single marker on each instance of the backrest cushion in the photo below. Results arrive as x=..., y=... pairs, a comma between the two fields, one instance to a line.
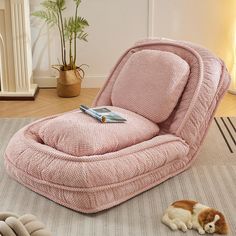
x=150, y=84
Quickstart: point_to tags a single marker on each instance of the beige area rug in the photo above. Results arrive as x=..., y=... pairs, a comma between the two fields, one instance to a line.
x=211, y=180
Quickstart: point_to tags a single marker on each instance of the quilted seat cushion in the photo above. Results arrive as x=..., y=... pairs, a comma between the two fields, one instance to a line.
x=79, y=134
x=150, y=84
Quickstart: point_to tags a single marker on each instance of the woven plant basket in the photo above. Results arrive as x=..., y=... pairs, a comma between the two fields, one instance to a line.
x=69, y=83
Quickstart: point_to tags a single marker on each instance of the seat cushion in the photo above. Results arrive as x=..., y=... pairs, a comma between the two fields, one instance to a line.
x=79, y=134
x=150, y=84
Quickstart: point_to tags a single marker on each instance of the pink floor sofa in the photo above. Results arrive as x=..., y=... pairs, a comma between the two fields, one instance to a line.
x=168, y=92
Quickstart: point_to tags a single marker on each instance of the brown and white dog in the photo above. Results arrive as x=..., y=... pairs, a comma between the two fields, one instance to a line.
x=186, y=214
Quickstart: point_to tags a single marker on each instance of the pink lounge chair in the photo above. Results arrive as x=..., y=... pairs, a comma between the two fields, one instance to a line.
x=168, y=92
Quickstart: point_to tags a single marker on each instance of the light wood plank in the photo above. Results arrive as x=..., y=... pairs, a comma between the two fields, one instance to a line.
x=227, y=106
x=48, y=103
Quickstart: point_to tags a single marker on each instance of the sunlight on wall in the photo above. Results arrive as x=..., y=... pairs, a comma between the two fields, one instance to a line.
x=210, y=23
x=227, y=48
x=233, y=72
x=2, y=60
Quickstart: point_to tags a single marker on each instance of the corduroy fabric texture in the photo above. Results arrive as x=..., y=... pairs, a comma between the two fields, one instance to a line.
x=96, y=182
x=208, y=80
x=26, y=225
x=211, y=181
x=95, y=170
x=79, y=134
x=150, y=84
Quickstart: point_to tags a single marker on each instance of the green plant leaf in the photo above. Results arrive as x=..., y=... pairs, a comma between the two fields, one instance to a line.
x=72, y=26
x=61, y=4
x=49, y=17
x=70, y=29
x=50, y=5
x=77, y=2
x=82, y=36
x=82, y=21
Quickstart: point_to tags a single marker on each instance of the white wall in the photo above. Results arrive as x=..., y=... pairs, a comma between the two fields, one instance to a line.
x=210, y=23
x=116, y=25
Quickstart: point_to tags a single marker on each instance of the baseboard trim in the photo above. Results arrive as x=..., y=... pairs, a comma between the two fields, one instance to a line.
x=88, y=81
x=30, y=95
x=232, y=91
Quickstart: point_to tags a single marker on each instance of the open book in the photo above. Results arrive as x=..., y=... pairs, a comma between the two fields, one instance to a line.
x=103, y=114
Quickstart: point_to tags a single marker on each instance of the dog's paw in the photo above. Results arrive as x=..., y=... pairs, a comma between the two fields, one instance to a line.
x=173, y=227
x=189, y=225
x=201, y=231
x=184, y=228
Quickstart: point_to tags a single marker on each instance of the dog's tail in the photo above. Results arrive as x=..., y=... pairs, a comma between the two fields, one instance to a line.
x=169, y=222
x=165, y=219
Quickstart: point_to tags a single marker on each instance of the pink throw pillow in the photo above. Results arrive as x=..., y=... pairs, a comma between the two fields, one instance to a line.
x=79, y=134
x=150, y=84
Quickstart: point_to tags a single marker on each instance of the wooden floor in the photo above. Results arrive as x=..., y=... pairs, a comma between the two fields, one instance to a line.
x=48, y=103
x=227, y=106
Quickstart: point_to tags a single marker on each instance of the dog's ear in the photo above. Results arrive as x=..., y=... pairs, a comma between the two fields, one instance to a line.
x=221, y=226
x=206, y=216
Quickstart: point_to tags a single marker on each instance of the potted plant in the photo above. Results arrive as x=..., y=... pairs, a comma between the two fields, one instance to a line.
x=70, y=30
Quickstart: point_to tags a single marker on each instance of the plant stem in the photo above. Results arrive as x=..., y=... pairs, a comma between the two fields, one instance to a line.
x=62, y=52
x=71, y=58
x=63, y=37
x=75, y=36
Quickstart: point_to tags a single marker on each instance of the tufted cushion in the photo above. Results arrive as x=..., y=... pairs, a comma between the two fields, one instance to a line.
x=151, y=83
x=79, y=134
